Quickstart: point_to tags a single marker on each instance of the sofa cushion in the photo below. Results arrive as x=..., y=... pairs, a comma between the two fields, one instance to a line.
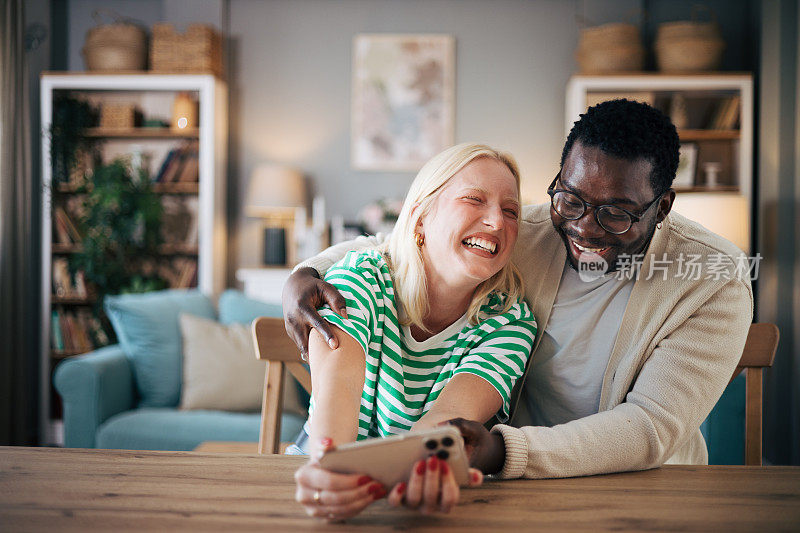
x=147, y=328
x=235, y=307
x=220, y=370
x=171, y=429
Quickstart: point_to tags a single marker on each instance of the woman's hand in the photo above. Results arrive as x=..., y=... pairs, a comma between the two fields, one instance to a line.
x=431, y=487
x=302, y=294
x=335, y=497
x=486, y=451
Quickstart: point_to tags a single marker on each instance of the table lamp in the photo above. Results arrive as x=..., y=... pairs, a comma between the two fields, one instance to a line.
x=725, y=213
x=274, y=193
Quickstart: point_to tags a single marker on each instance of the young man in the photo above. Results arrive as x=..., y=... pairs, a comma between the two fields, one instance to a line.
x=644, y=313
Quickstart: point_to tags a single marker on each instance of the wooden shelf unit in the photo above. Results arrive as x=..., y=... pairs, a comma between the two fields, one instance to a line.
x=209, y=251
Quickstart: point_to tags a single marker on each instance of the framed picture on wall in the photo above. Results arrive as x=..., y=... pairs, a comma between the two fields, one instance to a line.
x=403, y=100
x=687, y=167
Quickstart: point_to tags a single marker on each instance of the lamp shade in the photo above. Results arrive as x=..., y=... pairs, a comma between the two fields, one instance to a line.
x=726, y=214
x=274, y=189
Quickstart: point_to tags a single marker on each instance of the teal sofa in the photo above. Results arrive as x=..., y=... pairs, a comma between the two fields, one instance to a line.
x=126, y=396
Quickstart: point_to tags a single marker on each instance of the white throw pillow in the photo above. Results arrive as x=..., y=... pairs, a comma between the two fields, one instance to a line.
x=220, y=369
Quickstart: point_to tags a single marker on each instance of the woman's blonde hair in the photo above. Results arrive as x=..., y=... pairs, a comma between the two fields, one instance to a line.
x=405, y=257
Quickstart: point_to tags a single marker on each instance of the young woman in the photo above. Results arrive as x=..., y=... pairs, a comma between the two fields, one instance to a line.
x=434, y=325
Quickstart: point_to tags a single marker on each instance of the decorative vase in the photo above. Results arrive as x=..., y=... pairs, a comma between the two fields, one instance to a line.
x=184, y=112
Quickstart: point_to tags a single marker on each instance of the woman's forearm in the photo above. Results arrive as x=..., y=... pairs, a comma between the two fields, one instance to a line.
x=465, y=396
x=337, y=380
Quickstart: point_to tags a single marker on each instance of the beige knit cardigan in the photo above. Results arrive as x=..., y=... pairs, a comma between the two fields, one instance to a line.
x=678, y=344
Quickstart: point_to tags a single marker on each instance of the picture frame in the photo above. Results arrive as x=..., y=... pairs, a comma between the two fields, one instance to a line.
x=403, y=100
x=687, y=167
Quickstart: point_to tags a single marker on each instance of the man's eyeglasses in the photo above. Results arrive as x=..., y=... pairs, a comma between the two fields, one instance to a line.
x=611, y=218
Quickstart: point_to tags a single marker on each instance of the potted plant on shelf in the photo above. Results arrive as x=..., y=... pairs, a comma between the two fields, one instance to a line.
x=121, y=221
x=68, y=141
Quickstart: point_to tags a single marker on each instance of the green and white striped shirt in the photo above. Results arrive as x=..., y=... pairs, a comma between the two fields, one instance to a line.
x=403, y=376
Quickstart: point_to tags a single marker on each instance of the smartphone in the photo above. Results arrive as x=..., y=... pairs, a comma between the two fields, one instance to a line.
x=390, y=459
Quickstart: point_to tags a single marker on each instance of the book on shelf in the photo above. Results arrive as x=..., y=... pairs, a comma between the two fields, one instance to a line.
x=62, y=284
x=66, y=285
x=77, y=332
x=190, y=170
x=179, y=223
x=95, y=333
x=181, y=164
x=65, y=229
x=172, y=154
x=56, y=336
x=726, y=114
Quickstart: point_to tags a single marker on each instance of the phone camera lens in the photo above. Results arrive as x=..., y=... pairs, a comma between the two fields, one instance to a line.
x=443, y=455
x=431, y=444
x=447, y=441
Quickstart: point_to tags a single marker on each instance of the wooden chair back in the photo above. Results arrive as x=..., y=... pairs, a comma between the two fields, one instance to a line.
x=274, y=346
x=758, y=354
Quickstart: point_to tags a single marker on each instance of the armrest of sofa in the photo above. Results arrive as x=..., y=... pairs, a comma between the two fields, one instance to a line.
x=93, y=387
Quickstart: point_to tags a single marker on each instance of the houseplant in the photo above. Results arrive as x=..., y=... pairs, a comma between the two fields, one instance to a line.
x=71, y=118
x=121, y=221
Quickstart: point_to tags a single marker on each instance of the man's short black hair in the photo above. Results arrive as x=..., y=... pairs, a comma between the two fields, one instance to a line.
x=630, y=130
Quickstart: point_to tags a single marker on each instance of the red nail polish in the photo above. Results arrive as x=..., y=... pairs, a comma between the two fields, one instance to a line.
x=326, y=442
x=445, y=468
x=374, y=489
x=363, y=480
x=433, y=463
x=475, y=477
x=401, y=488
x=421, y=467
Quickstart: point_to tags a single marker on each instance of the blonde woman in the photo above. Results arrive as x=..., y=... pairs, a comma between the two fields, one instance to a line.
x=433, y=328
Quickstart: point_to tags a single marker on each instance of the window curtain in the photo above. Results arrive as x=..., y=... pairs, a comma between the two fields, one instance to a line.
x=19, y=295
x=779, y=220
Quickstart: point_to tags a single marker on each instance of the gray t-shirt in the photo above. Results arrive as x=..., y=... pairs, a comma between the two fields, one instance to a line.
x=567, y=369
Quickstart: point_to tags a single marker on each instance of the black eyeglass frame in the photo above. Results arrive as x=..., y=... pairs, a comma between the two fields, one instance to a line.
x=634, y=217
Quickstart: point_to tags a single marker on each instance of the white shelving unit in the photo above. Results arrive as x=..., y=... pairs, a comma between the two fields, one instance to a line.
x=148, y=90
x=734, y=145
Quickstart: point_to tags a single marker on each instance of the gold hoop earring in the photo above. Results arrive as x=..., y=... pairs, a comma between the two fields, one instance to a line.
x=420, y=238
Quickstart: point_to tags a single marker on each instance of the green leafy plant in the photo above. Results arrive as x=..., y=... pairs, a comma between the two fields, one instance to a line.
x=122, y=217
x=71, y=118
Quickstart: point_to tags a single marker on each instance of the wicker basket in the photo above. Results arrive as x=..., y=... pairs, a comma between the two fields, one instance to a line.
x=197, y=50
x=117, y=116
x=689, y=55
x=121, y=45
x=610, y=48
x=689, y=46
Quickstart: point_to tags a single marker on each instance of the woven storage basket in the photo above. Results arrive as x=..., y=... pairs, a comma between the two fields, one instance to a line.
x=610, y=48
x=121, y=45
x=689, y=46
x=117, y=116
x=689, y=55
x=197, y=50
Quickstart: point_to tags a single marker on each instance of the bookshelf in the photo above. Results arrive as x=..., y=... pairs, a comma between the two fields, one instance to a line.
x=194, y=245
x=714, y=116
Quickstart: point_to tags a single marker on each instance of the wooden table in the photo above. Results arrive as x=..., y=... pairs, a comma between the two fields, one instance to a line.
x=51, y=489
